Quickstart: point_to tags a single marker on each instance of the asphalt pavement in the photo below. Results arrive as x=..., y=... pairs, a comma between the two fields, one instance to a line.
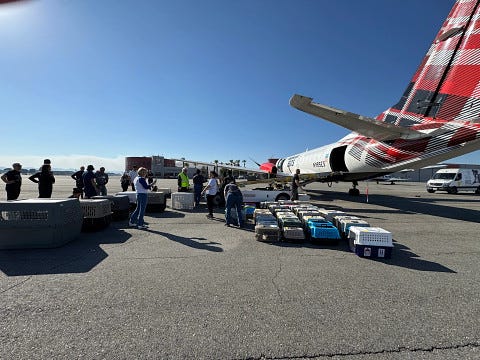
x=191, y=288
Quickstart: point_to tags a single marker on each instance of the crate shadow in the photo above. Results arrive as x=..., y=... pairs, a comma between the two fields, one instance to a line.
x=78, y=256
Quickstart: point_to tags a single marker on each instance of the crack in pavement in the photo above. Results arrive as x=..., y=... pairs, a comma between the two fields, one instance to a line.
x=355, y=353
x=275, y=285
x=17, y=284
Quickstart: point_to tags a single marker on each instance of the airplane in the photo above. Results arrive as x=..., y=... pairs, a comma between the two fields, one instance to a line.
x=389, y=179
x=436, y=118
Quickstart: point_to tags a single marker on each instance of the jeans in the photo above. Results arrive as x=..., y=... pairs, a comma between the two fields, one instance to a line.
x=197, y=188
x=137, y=216
x=234, y=200
x=102, y=190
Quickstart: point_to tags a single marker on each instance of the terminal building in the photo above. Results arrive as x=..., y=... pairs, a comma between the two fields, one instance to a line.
x=161, y=167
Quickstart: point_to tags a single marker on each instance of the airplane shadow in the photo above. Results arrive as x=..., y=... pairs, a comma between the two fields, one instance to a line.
x=190, y=241
x=79, y=256
x=405, y=205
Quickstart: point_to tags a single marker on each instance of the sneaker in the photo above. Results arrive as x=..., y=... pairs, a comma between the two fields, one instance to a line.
x=131, y=224
x=210, y=216
x=141, y=227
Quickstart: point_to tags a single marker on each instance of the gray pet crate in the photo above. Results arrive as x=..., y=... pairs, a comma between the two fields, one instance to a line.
x=120, y=205
x=97, y=214
x=39, y=223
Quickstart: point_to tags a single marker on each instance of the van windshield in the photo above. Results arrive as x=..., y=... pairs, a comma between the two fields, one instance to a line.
x=444, y=176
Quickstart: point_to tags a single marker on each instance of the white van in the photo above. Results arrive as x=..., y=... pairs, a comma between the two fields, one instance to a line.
x=454, y=180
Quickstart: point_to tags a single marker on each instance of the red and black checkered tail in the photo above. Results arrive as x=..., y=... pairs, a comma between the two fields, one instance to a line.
x=446, y=85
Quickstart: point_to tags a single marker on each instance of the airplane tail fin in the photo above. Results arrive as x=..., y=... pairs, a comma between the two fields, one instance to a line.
x=446, y=85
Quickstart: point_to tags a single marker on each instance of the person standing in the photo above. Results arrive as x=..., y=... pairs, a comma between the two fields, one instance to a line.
x=183, y=181
x=133, y=174
x=45, y=181
x=125, y=181
x=198, y=181
x=234, y=198
x=295, y=184
x=78, y=177
x=211, y=190
x=141, y=187
x=101, y=178
x=90, y=186
x=13, y=181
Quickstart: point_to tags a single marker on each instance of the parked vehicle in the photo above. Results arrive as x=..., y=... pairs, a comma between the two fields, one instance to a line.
x=453, y=180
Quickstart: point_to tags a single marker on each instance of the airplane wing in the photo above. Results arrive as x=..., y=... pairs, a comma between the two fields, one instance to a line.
x=363, y=125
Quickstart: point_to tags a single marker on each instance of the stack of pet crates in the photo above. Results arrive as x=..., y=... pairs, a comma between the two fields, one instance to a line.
x=290, y=226
x=266, y=227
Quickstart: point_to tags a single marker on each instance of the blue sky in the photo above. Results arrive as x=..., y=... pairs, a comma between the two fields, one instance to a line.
x=94, y=81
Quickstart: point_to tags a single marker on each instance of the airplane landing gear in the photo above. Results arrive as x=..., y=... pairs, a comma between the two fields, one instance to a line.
x=354, y=191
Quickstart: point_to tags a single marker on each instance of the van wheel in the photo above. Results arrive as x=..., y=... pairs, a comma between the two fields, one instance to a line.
x=452, y=190
x=282, y=196
x=431, y=191
x=477, y=191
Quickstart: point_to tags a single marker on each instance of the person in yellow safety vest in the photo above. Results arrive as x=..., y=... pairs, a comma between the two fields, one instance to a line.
x=183, y=182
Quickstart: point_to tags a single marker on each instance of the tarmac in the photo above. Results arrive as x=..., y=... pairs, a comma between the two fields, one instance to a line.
x=191, y=288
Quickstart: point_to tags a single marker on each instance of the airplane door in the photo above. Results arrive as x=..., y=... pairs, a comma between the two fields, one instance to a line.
x=337, y=159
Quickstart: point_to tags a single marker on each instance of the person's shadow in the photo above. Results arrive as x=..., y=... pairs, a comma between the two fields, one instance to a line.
x=190, y=242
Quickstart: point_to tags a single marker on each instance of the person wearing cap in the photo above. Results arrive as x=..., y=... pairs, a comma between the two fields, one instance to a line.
x=183, y=182
x=13, y=181
x=90, y=186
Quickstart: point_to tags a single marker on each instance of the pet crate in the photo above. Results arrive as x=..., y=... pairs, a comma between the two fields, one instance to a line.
x=39, y=223
x=373, y=242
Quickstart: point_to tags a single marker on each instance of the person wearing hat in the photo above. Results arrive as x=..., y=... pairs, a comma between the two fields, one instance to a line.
x=183, y=181
x=13, y=181
x=90, y=186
